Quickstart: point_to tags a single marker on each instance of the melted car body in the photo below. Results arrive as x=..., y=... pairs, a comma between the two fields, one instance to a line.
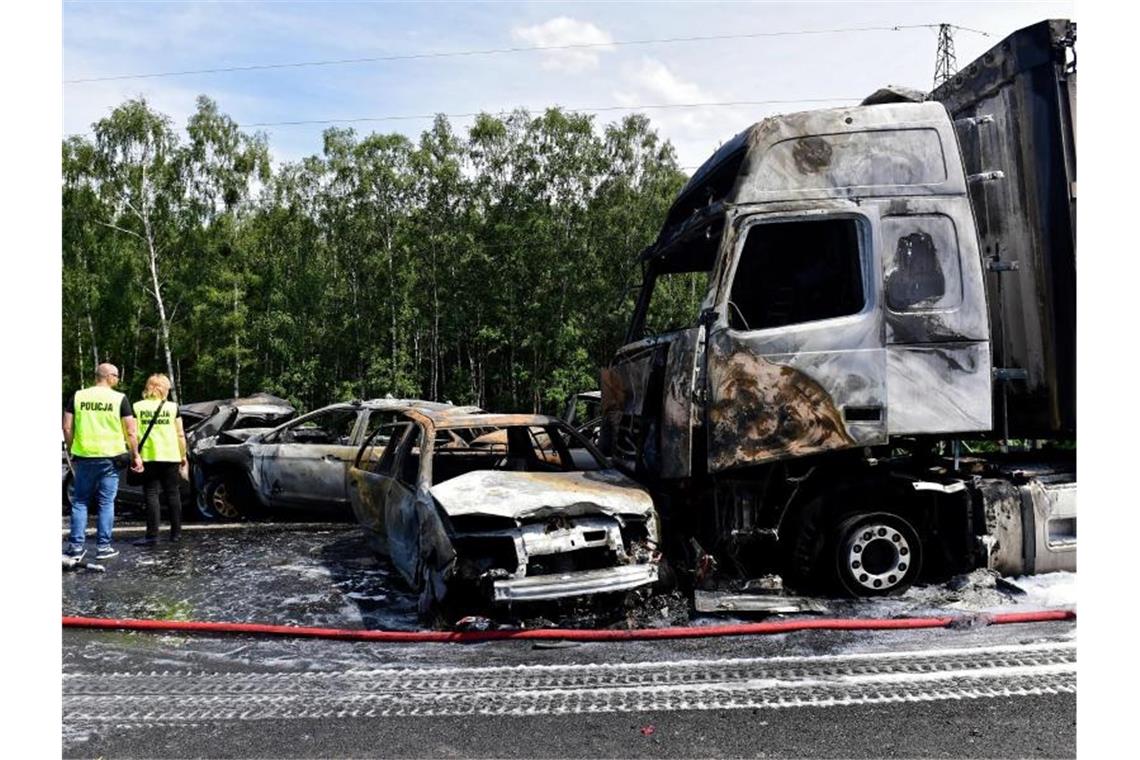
x=519, y=507
x=300, y=464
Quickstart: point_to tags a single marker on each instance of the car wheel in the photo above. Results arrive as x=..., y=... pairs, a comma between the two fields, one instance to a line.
x=876, y=554
x=219, y=501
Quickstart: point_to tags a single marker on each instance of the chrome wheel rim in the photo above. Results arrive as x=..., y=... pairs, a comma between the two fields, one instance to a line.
x=878, y=556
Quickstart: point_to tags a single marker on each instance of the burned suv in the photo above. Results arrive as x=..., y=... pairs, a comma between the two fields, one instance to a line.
x=514, y=507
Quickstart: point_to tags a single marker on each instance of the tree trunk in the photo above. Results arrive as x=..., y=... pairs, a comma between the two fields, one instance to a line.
x=91, y=330
x=434, y=326
x=137, y=346
x=237, y=346
x=87, y=309
x=79, y=352
x=392, y=300
x=163, y=324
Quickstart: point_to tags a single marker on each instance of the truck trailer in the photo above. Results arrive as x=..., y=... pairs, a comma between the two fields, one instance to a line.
x=852, y=361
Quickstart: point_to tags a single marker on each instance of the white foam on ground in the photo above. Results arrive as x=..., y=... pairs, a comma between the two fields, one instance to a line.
x=1048, y=590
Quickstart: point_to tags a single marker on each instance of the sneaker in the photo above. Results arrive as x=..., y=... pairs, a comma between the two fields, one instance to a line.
x=146, y=541
x=106, y=552
x=175, y=538
x=77, y=553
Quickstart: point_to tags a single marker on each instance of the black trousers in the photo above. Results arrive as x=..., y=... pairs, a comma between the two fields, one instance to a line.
x=162, y=476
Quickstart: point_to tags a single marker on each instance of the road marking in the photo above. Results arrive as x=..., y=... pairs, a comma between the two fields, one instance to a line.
x=180, y=697
x=128, y=530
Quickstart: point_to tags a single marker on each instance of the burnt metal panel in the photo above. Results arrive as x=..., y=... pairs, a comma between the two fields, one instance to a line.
x=883, y=150
x=304, y=473
x=678, y=412
x=939, y=388
x=766, y=407
x=902, y=157
x=1013, y=109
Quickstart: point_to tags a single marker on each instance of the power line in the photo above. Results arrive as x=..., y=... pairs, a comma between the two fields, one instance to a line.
x=527, y=49
x=595, y=109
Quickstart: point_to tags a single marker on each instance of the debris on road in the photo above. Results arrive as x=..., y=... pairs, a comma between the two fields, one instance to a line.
x=727, y=601
x=78, y=563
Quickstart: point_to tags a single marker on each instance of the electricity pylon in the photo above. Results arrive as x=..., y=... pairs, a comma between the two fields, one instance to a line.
x=945, y=64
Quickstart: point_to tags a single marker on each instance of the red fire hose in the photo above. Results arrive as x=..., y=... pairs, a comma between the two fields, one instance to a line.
x=564, y=634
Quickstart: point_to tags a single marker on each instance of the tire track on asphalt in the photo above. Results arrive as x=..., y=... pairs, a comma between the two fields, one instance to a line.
x=180, y=697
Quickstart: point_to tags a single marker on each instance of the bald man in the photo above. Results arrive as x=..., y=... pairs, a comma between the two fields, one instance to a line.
x=101, y=434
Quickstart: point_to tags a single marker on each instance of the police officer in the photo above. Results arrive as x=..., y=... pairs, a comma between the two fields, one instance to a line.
x=99, y=429
x=163, y=453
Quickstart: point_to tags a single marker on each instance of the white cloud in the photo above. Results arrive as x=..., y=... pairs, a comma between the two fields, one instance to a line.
x=695, y=132
x=653, y=78
x=564, y=30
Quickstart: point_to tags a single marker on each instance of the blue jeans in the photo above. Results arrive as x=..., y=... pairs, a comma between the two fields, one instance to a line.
x=95, y=477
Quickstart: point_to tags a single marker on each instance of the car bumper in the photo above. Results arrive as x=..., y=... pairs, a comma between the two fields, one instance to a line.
x=580, y=583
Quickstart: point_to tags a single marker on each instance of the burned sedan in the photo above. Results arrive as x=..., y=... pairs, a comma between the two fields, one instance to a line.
x=298, y=465
x=515, y=507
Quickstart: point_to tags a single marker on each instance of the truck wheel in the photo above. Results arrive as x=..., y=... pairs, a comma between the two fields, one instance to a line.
x=219, y=501
x=876, y=554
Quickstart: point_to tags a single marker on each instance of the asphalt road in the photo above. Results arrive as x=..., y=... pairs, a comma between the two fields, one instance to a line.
x=1006, y=691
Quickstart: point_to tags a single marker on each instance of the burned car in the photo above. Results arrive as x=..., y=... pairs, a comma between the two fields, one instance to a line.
x=300, y=464
x=204, y=422
x=514, y=507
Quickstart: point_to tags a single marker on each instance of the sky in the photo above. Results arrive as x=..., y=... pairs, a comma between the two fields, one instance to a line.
x=103, y=39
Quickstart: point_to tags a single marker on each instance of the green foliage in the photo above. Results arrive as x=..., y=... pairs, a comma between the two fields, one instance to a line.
x=494, y=268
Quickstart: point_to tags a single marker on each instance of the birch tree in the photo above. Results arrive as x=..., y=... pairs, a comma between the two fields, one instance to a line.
x=137, y=154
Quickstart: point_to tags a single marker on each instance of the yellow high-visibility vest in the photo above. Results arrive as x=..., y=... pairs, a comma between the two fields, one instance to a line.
x=162, y=443
x=97, y=430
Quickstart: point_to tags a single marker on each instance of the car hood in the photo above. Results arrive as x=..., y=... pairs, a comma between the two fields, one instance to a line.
x=521, y=495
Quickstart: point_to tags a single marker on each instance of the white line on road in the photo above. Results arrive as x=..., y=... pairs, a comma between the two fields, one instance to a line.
x=129, y=530
x=777, y=682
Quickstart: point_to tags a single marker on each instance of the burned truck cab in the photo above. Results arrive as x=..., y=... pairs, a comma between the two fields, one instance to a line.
x=817, y=287
x=836, y=302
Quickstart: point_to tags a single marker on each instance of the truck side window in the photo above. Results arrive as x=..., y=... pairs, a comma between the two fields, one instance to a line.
x=921, y=265
x=677, y=283
x=795, y=272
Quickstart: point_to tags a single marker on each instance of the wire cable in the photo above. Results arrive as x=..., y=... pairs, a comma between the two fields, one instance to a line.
x=593, y=109
x=500, y=51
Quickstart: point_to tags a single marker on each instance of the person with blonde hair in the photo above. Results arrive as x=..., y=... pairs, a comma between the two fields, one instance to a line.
x=100, y=433
x=163, y=450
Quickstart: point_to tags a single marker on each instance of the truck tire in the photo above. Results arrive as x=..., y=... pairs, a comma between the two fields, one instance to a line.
x=875, y=554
